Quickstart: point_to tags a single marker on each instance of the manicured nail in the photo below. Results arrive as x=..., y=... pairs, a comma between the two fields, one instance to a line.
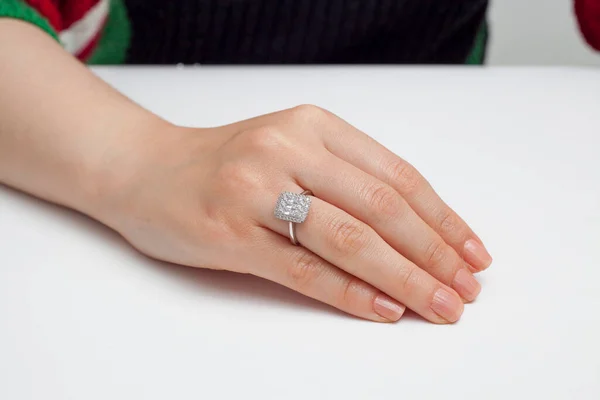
x=466, y=285
x=477, y=255
x=388, y=308
x=447, y=305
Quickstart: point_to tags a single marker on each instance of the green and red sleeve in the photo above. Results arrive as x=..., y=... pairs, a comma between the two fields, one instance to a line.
x=94, y=31
x=98, y=31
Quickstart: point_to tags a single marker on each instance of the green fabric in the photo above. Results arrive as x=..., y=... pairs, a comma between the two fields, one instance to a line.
x=477, y=56
x=116, y=36
x=19, y=10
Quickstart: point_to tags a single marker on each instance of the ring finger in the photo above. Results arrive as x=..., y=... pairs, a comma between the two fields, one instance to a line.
x=353, y=246
x=307, y=273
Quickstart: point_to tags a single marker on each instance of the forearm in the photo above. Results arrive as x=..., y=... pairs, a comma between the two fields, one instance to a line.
x=65, y=135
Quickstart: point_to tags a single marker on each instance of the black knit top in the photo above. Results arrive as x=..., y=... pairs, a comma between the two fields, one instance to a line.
x=303, y=31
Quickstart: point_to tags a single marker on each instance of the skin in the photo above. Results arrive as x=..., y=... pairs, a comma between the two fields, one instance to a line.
x=377, y=238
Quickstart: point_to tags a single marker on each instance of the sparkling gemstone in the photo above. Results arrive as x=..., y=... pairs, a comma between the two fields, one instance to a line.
x=292, y=207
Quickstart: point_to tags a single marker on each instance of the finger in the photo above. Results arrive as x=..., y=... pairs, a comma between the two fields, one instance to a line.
x=382, y=208
x=357, y=148
x=353, y=246
x=303, y=271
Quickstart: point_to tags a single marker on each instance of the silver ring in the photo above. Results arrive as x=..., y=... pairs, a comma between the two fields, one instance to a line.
x=293, y=208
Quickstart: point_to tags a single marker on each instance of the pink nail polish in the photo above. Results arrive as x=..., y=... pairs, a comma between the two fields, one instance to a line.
x=388, y=308
x=447, y=305
x=477, y=255
x=466, y=285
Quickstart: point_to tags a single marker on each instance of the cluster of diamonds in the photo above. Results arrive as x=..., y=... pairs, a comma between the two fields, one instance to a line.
x=292, y=207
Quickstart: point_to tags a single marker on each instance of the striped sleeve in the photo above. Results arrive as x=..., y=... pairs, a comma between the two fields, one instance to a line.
x=94, y=31
x=82, y=26
x=18, y=9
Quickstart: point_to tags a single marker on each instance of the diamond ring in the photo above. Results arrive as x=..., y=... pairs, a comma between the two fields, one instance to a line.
x=293, y=207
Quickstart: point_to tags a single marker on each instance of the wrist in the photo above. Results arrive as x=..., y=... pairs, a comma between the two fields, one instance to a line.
x=108, y=179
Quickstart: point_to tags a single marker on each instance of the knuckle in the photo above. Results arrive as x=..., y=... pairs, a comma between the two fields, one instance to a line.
x=347, y=237
x=215, y=228
x=405, y=176
x=350, y=294
x=449, y=223
x=236, y=177
x=265, y=139
x=435, y=253
x=219, y=226
x=409, y=280
x=308, y=111
x=304, y=270
x=383, y=201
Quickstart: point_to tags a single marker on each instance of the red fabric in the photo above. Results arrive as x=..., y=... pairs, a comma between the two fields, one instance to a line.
x=50, y=10
x=87, y=51
x=588, y=15
x=74, y=10
x=62, y=13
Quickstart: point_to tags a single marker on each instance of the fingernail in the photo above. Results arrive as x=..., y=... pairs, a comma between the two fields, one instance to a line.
x=388, y=308
x=447, y=305
x=466, y=285
x=477, y=255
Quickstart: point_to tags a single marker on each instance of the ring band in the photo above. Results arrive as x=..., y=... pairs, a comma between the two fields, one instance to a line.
x=293, y=208
x=292, y=225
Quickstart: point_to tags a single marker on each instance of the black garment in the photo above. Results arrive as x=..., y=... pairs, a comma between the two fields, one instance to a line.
x=303, y=31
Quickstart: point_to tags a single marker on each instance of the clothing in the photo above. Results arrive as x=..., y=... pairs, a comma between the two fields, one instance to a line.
x=304, y=31
x=272, y=31
x=95, y=31
x=588, y=15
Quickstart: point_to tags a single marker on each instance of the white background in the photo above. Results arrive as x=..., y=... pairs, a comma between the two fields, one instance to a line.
x=539, y=32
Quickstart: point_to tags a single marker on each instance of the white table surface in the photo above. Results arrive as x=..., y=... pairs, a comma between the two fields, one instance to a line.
x=515, y=151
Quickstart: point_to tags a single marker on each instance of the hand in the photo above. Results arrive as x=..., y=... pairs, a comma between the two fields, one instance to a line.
x=377, y=237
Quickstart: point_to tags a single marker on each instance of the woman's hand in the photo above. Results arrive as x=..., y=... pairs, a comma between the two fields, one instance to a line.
x=377, y=237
